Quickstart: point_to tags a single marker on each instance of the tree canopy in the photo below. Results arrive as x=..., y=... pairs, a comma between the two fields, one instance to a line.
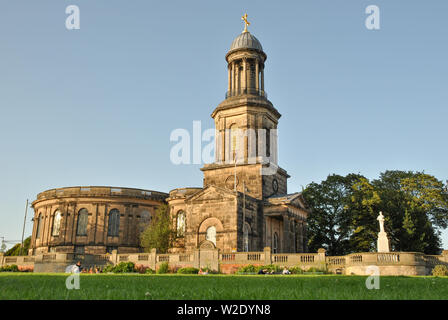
x=344, y=211
x=159, y=234
x=15, y=250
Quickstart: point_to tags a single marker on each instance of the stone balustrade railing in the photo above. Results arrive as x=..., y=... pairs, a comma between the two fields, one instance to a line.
x=406, y=263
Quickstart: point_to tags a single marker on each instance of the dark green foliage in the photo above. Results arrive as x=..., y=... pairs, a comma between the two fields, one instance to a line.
x=344, y=212
x=189, y=270
x=159, y=234
x=164, y=268
x=15, y=251
x=9, y=268
x=122, y=267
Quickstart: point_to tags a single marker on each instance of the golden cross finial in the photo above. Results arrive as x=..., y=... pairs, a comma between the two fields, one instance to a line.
x=246, y=23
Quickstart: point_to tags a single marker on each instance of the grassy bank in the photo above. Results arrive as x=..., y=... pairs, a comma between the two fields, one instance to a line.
x=136, y=286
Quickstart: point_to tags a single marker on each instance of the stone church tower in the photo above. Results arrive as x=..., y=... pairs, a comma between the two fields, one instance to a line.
x=244, y=204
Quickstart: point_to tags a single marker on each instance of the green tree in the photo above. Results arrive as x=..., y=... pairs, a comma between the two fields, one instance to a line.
x=415, y=206
x=329, y=224
x=159, y=234
x=344, y=212
x=15, y=251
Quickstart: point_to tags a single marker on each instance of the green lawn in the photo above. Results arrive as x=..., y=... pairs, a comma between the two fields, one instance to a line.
x=240, y=287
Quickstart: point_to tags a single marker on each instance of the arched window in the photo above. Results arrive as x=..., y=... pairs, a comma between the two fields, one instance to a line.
x=83, y=220
x=211, y=234
x=114, y=223
x=56, y=223
x=180, y=223
x=39, y=226
x=246, y=237
x=275, y=243
x=145, y=220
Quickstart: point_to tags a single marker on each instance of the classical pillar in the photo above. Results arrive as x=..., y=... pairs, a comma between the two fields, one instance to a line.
x=262, y=79
x=229, y=82
x=244, y=77
x=257, y=79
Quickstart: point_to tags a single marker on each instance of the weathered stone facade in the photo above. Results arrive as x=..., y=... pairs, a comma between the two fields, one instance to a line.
x=91, y=234
x=244, y=204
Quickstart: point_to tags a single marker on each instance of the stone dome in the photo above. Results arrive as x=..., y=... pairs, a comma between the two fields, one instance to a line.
x=246, y=41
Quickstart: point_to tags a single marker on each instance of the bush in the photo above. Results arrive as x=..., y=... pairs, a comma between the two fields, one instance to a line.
x=440, y=271
x=248, y=269
x=149, y=271
x=296, y=270
x=189, y=270
x=320, y=270
x=164, y=268
x=9, y=268
x=124, y=267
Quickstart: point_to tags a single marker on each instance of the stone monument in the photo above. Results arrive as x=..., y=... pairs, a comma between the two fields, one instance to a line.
x=383, y=242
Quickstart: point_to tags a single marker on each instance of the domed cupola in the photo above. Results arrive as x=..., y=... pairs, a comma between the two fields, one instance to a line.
x=245, y=62
x=246, y=41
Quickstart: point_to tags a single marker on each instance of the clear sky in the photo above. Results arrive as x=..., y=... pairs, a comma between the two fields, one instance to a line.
x=96, y=106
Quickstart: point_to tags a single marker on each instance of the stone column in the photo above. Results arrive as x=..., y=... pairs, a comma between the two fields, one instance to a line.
x=229, y=82
x=262, y=79
x=244, y=77
x=257, y=78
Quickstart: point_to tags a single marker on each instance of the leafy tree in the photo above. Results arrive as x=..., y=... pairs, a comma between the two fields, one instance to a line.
x=15, y=251
x=159, y=234
x=329, y=222
x=344, y=212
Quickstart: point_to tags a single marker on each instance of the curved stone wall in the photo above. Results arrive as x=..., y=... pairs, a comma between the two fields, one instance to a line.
x=92, y=220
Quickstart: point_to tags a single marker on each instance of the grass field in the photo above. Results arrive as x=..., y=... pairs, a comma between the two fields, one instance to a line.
x=232, y=287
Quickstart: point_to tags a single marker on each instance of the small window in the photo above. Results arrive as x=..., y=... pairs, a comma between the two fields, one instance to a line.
x=145, y=220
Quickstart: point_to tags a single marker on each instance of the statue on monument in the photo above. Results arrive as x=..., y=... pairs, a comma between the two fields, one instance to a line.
x=383, y=241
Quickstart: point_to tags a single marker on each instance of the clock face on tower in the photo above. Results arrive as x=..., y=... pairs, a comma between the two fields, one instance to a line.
x=275, y=185
x=230, y=182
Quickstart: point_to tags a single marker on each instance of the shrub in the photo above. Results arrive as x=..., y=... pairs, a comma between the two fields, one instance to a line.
x=440, y=271
x=248, y=269
x=109, y=268
x=296, y=270
x=142, y=269
x=189, y=270
x=315, y=269
x=9, y=268
x=164, y=268
x=149, y=271
x=124, y=267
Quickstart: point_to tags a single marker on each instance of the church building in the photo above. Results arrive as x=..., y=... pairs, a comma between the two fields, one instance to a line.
x=244, y=204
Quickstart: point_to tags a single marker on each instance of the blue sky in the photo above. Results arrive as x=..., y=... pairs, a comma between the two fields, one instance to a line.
x=96, y=106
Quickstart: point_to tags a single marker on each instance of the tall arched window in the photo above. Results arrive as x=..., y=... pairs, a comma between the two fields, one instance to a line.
x=56, y=223
x=145, y=220
x=83, y=220
x=114, y=223
x=180, y=222
x=275, y=243
x=246, y=237
x=39, y=226
x=211, y=234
